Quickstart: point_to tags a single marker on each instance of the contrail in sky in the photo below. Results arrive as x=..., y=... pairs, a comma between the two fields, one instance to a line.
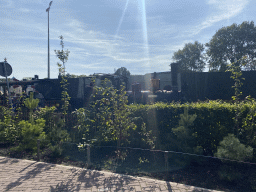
x=122, y=17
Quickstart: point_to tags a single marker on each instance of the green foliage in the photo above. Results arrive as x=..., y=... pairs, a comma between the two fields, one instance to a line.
x=123, y=72
x=190, y=57
x=75, y=76
x=53, y=125
x=63, y=57
x=8, y=129
x=185, y=139
x=248, y=126
x=231, y=148
x=80, y=130
x=107, y=115
x=64, y=95
x=142, y=137
x=214, y=121
x=236, y=74
x=31, y=132
x=183, y=131
x=230, y=44
x=124, y=75
x=31, y=104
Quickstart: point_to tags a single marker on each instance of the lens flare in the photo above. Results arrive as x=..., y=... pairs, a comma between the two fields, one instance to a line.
x=145, y=32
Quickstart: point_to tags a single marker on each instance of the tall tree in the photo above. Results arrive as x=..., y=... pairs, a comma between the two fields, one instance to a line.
x=124, y=74
x=122, y=71
x=190, y=57
x=230, y=44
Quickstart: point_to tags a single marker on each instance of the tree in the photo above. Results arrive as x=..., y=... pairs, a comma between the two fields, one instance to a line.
x=107, y=116
x=190, y=57
x=124, y=74
x=63, y=57
x=75, y=76
x=230, y=44
x=31, y=104
x=184, y=133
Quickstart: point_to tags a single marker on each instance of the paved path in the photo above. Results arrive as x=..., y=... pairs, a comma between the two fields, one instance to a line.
x=25, y=175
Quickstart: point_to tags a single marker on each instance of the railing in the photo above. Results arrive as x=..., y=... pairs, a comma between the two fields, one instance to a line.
x=187, y=168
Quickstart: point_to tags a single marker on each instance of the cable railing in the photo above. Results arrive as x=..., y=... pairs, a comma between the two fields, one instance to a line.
x=176, y=166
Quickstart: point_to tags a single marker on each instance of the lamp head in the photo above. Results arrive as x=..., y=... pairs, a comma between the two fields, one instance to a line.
x=48, y=9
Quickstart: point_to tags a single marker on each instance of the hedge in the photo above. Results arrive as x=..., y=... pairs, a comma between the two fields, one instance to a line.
x=215, y=120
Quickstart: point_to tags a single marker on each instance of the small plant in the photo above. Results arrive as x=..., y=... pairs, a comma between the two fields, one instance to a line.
x=8, y=130
x=231, y=148
x=183, y=132
x=31, y=104
x=31, y=132
x=236, y=74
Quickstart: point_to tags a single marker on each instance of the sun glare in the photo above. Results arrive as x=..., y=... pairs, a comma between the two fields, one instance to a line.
x=145, y=31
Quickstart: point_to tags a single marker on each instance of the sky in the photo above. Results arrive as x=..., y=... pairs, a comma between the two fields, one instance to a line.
x=104, y=35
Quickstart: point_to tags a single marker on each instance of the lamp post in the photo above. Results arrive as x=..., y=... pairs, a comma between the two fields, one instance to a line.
x=48, y=10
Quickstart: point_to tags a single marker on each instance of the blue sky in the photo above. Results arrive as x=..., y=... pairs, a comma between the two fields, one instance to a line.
x=103, y=35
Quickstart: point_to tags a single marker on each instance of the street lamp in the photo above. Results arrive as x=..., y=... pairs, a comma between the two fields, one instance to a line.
x=48, y=10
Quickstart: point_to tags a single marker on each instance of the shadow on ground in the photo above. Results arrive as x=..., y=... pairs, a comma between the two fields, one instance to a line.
x=38, y=168
x=87, y=179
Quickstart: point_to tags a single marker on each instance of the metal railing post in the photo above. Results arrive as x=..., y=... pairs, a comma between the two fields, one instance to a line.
x=88, y=155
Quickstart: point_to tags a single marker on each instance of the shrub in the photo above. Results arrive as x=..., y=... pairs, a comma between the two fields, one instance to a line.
x=8, y=130
x=231, y=148
x=31, y=132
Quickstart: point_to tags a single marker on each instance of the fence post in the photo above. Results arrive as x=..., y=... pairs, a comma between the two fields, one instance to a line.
x=88, y=155
x=38, y=150
x=166, y=161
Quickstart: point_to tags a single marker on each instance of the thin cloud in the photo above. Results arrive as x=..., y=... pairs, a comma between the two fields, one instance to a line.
x=224, y=10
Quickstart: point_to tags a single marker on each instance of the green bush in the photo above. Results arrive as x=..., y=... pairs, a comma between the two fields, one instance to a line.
x=31, y=132
x=107, y=116
x=231, y=148
x=54, y=125
x=8, y=129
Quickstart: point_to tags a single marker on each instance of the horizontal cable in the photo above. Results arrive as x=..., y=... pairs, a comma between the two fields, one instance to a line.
x=157, y=150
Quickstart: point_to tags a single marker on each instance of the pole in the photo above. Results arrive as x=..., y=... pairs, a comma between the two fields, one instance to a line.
x=48, y=46
x=88, y=155
x=48, y=10
x=38, y=149
x=7, y=82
